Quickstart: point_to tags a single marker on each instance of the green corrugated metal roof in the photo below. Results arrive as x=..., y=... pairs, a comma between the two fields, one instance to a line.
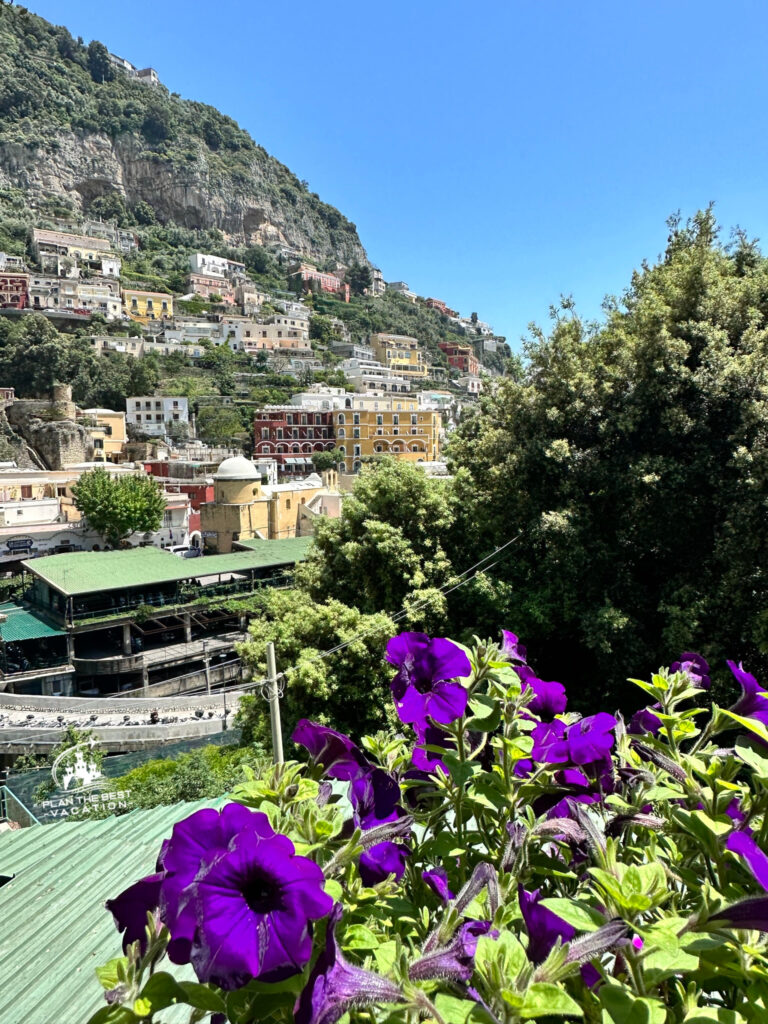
x=87, y=572
x=23, y=624
x=55, y=928
x=291, y=548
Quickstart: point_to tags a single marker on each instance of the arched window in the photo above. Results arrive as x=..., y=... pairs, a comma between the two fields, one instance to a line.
x=342, y=451
x=348, y=404
x=281, y=449
x=295, y=449
x=342, y=432
x=356, y=466
x=265, y=448
x=342, y=419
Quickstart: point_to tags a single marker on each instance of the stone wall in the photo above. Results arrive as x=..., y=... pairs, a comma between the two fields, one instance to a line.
x=57, y=439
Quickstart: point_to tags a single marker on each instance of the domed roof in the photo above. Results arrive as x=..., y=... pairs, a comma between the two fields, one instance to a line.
x=237, y=468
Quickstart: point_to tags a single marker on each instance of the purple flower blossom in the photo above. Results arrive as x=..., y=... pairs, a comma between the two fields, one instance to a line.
x=695, y=667
x=544, y=927
x=757, y=861
x=644, y=721
x=512, y=648
x=253, y=905
x=202, y=835
x=131, y=907
x=586, y=742
x=437, y=880
x=340, y=757
x=747, y=914
x=753, y=702
x=456, y=961
x=549, y=699
x=381, y=860
x=375, y=798
x=335, y=985
x=421, y=688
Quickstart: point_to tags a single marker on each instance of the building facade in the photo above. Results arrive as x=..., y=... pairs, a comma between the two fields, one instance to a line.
x=290, y=435
x=155, y=414
x=401, y=354
x=143, y=306
x=372, y=426
x=14, y=290
x=461, y=357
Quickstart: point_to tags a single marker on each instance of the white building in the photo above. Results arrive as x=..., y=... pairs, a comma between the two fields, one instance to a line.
x=402, y=289
x=215, y=266
x=27, y=513
x=370, y=375
x=471, y=384
x=154, y=414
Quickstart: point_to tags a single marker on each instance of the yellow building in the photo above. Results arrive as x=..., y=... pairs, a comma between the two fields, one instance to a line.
x=386, y=426
x=108, y=434
x=145, y=306
x=400, y=354
x=243, y=508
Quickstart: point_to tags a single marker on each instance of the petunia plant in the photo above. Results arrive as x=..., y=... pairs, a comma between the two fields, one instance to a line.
x=500, y=859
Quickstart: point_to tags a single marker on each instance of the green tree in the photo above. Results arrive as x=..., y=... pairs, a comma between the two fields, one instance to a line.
x=348, y=689
x=116, y=507
x=99, y=64
x=387, y=550
x=631, y=460
x=359, y=278
x=218, y=424
x=324, y=460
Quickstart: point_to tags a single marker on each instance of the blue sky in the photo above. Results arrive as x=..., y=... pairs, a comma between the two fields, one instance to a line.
x=494, y=154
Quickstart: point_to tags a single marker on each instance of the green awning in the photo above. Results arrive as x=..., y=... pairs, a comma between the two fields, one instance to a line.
x=23, y=624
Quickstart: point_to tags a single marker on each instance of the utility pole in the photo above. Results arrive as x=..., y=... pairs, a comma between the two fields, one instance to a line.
x=207, y=664
x=274, y=705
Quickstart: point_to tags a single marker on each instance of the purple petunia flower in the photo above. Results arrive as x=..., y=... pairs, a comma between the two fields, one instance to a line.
x=381, y=860
x=586, y=742
x=751, y=914
x=746, y=847
x=549, y=699
x=253, y=905
x=131, y=907
x=512, y=648
x=753, y=702
x=456, y=961
x=695, y=667
x=544, y=927
x=375, y=798
x=340, y=757
x=421, y=688
x=202, y=834
x=644, y=722
x=437, y=880
x=335, y=986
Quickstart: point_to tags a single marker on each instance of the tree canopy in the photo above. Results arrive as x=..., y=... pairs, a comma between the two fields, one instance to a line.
x=116, y=507
x=632, y=459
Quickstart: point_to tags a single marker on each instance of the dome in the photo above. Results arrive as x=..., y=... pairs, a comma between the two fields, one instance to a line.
x=237, y=468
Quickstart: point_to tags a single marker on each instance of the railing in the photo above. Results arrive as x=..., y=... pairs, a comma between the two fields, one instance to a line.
x=12, y=809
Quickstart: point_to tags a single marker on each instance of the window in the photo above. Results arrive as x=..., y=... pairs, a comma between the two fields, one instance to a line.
x=356, y=417
x=379, y=420
x=342, y=432
x=342, y=418
x=414, y=418
x=279, y=433
x=149, y=304
x=287, y=504
x=357, y=449
x=265, y=433
x=289, y=418
x=158, y=405
x=356, y=431
x=147, y=405
x=26, y=490
x=265, y=448
x=396, y=419
x=138, y=417
x=98, y=443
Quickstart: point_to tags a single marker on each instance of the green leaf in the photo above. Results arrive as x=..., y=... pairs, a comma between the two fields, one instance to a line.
x=357, y=936
x=456, y=1011
x=583, y=917
x=707, y=1014
x=756, y=758
x=622, y=1007
x=386, y=955
x=202, y=997
x=143, y=1007
x=751, y=724
x=545, y=1000
x=108, y=975
x=486, y=714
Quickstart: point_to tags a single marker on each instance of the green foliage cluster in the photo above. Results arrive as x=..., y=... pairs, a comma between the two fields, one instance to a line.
x=34, y=356
x=631, y=461
x=343, y=688
x=116, y=507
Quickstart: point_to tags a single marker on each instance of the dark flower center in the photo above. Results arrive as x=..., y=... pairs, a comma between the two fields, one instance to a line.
x=261, y=894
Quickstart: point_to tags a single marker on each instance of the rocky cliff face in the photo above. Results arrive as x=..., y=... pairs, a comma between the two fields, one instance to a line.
x=255, y=209
x=53, y=443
